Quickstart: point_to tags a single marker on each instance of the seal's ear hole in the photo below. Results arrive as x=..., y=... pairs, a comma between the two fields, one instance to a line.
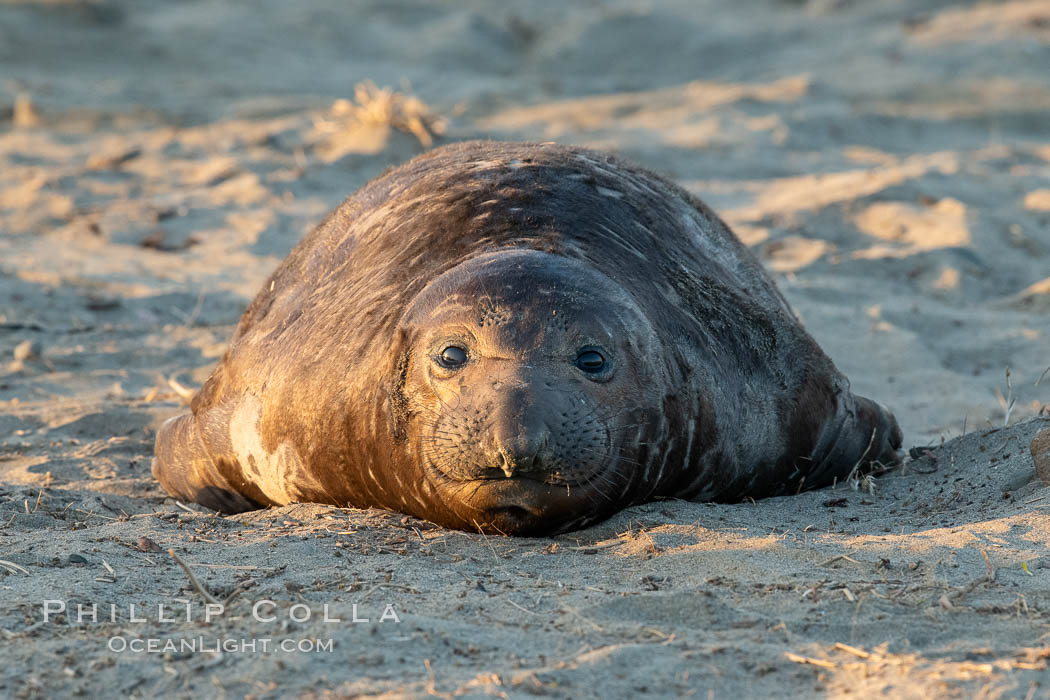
x=590, y=361
x=452, y=357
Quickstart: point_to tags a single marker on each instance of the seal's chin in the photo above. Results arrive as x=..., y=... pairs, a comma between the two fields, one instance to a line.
x=523, y=506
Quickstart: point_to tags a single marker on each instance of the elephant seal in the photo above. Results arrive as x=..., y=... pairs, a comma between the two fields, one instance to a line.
x=523, y=339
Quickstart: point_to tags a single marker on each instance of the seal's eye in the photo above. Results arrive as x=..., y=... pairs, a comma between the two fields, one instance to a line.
x=590, y=361
x=452, y=357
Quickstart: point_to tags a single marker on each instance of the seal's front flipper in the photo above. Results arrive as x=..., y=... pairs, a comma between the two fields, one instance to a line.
x=185, y=469
x=860, y=435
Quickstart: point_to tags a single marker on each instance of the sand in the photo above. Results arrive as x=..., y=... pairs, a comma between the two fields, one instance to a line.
x=889, y=162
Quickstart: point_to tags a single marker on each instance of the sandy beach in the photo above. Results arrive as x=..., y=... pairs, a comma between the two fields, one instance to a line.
x=889, y=162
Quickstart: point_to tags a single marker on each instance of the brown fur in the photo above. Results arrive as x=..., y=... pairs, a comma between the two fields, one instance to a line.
x=328, y=394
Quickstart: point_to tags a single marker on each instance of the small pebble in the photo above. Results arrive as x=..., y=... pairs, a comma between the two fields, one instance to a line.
x=77, y=559
x=96, y=302
x=145, y=544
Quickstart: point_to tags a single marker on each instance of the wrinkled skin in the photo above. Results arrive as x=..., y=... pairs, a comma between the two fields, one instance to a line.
x=518, y=339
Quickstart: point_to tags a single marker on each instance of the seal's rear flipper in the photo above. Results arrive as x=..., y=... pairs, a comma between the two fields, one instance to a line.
x=185, y=469
x=861, y=435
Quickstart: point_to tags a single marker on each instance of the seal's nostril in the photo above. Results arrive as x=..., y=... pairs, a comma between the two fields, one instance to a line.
x=506, y=462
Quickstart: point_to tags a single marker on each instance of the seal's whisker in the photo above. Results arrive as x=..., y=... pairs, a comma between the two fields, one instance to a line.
x=627, y=426
x=605, y=453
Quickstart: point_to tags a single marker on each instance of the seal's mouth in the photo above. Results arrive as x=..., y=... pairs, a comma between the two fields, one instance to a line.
x=520, y=505
x=493, y=475
x=524, y=501
x=517, y=505
x=538, y=476
x=513, y=491
x=515, y=497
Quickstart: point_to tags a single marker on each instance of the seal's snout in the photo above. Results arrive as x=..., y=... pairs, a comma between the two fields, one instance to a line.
x=526, y=433
x=518, y=435
x=518, y=448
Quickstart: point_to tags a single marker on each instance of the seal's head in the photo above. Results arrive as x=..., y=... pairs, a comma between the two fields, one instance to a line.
x=527, y=391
